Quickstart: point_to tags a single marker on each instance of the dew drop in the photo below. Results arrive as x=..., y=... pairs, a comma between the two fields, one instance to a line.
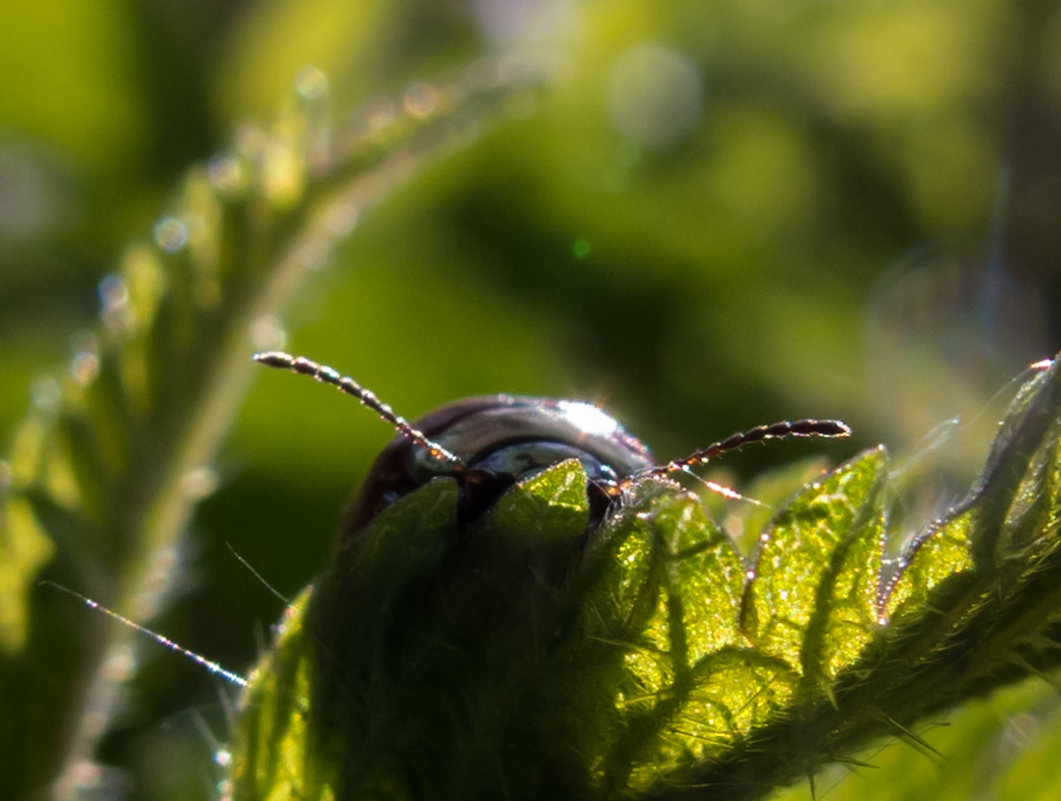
x=120, y=664
x=113, y=294
x=513, y=23
x=228, y=175
x=171, y=234
x=84, y=367
x=45, y=393
x=380, y=114
x=1022, y=732
x=421, y=99
x=199, y=483
x=655, y=95
x=311, y=84
x=312, y=255
x=250, y=142
x=342, y=219
x=87, y=775
x=267, y=333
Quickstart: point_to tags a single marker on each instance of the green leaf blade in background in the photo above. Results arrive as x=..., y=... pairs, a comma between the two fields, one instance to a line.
x=120, y=451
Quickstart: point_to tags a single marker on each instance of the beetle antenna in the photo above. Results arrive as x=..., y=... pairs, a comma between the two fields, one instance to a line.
x=327, y=375
x=781, y=430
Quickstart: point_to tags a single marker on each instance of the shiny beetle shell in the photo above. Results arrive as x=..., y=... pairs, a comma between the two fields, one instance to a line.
x=489, y=443
x=502, y=439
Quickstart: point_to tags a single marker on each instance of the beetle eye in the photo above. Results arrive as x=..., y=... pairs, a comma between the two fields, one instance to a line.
x=524, y=459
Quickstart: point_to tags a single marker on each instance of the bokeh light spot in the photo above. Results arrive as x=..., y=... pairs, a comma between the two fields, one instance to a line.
x=655, y=95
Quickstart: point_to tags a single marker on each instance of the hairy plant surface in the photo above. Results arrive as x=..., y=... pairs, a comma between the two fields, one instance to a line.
x=523, y=656
x=517, y=658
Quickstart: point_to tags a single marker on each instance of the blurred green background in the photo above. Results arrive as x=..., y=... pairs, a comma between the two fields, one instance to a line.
x=714, y=215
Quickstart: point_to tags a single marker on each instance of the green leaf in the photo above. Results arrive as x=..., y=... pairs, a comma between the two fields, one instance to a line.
x=334, y=638
x=24, y=549
x=113, y=458
x=812, y=598
x=641, y=658
x=274, y=737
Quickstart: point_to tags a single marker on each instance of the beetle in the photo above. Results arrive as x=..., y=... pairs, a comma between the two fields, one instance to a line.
x=488, y=443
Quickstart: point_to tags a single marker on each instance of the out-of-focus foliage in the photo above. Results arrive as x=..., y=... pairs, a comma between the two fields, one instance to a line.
x=712, y=216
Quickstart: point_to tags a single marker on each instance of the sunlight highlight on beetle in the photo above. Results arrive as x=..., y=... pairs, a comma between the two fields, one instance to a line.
x=589, y=418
